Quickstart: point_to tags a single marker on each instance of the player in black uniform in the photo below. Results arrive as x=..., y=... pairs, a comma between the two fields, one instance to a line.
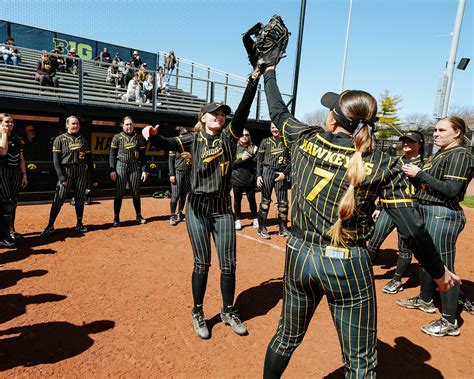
x=179, y=173
x=127, y=162
x=244, y=177
x=336, y=177
x=413, y=149
x=443, y=179
x=273, y=169
x=209, y=210
x=12, y=177
x=73, y=163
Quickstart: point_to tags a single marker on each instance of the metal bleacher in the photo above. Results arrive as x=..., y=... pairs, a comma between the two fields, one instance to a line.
x=19, y=81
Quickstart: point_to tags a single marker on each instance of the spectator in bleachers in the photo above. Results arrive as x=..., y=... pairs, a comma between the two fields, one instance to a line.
x=72, y=62
x=133, y=91
x=143, y=72
x=117, y=57
x=136, y=60
x=128, y=73
x=170, y=62
x=148, y=88
x=161, y=82
x=57, y=60
x=46, y=71
x=10, y=53
x=105, y=56
x=114, y=76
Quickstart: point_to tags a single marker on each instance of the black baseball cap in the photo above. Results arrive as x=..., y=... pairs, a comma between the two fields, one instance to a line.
x=413, y=135
x=211, y=107
x=331, y=100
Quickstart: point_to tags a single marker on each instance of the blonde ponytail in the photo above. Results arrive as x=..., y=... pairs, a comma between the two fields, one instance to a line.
x=356, y=174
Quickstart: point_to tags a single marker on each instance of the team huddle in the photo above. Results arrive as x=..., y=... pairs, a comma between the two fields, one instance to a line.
x=340, y=184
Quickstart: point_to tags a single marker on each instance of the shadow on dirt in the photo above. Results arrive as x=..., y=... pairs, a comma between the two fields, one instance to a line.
x=49, y=342
x=405, y=359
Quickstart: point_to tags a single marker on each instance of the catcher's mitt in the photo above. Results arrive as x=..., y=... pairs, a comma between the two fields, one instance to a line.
x=269, y=45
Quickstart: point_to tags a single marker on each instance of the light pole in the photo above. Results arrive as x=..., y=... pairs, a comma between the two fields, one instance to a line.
x=344, y=61
x=446, y=80
x=298, y=56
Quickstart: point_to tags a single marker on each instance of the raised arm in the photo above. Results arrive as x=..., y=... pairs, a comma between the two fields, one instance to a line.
x=242, y=112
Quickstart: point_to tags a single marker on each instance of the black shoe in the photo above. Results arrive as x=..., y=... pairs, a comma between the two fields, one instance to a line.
x=263, y=232
x=181, y=217
x=116, y=222
x=80, y=227
x=14, y=235
x=284, y=232
x=87, y=202
x=7, y=243
x=140, y=219
x=47, y=232
x=173, y=220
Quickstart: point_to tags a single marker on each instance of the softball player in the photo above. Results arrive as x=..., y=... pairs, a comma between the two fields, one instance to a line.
x=12, y=177
x=413, y=148
x=273, y=169
x=326, y=251
x=73, y=162
x=127, y=162
x=209, y=209
x=443, y=179
x=243, y=178
x=179, y=173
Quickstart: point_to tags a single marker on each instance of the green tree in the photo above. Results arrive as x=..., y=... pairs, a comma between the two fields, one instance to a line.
x=389, y=122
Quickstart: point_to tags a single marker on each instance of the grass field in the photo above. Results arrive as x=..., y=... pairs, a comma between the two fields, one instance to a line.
x=468, y=201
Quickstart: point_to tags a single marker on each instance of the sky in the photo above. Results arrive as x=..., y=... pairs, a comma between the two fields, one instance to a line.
x=397, y=45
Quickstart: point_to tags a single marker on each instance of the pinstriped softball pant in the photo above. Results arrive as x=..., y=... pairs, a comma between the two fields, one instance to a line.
x=349, y=288
x=269, y=184
x=206, y=216
x=444, y=226
x=77, y=180
x=383, y=227
x=181, y=188
x=10, y=181
x=128, y=172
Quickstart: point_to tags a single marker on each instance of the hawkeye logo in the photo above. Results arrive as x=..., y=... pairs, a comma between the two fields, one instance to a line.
x=210, y=153
x=32, y=166
x=129, y=145
x=75, y=146
x=330, y=157
x=277, y=150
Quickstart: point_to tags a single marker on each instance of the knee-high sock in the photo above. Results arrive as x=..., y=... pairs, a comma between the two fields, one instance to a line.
x=79, y=213
x=228, y=289
x=137, y=205
x=53, y=214
x=402, y=266
x=449, y=303
x=426, y=286
x=173, y=205
x=199, y=284
x=275, y=364
x=117, y=206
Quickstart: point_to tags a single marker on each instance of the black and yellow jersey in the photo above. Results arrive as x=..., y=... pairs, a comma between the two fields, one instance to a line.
x=213, y=155
x=176, y=162
x=71, y=149
x=127, y=148
x=319, y=162
x=453, y=164
x=273, y=154
x=15, y=148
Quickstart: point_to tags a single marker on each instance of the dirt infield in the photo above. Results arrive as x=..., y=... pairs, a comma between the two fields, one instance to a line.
x=116, y=302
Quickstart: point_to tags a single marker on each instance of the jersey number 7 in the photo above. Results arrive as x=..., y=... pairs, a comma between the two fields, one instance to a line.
x=326, y=177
